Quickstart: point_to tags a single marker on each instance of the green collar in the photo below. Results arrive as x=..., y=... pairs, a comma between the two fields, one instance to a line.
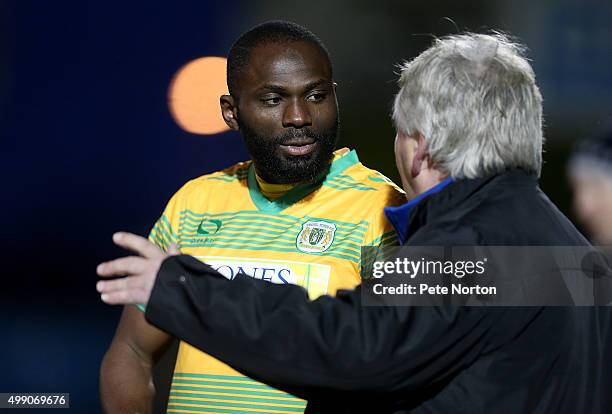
x=295, y=194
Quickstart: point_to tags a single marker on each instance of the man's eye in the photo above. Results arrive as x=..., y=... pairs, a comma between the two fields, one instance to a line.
x=316, y=97
x=271, y=101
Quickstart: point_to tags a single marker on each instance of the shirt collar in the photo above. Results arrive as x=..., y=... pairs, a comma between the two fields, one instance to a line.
x=398, y=216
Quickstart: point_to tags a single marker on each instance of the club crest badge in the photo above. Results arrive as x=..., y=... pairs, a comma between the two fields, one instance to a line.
x=315, y=236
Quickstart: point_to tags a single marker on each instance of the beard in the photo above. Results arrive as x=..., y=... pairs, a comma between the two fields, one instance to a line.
x=275, y=167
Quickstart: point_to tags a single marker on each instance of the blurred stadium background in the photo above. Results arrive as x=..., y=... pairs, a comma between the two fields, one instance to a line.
x=89, y=145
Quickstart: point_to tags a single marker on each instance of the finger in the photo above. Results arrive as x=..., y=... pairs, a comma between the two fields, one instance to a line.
x=122, y=267
x=125, y=283
x=124, y=297
x=137, y=244
x=174, y=250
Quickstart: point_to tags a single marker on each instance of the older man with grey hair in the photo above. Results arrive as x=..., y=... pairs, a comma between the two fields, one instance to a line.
x=469, y=145
x=474, y=100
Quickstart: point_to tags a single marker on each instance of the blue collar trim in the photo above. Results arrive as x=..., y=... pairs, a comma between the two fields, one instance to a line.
x=398, y=216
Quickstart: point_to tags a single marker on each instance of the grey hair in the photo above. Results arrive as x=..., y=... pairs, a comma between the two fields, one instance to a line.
x=474, y=99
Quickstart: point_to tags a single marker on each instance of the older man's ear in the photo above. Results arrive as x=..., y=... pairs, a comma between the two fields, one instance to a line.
x=414, y=163
x=420, y=158
x=411, y=158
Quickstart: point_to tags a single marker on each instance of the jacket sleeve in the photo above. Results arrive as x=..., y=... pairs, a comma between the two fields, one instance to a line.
x=312, y=349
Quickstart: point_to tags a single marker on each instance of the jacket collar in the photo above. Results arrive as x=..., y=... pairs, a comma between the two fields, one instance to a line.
x=448, y=196
x=398, y=216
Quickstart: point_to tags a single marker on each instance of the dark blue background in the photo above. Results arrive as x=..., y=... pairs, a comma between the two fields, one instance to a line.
x=88, y=147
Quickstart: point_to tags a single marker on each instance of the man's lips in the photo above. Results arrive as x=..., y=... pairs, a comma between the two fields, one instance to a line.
x=299, y=146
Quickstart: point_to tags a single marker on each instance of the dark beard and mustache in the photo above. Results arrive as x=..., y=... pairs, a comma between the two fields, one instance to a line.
x=276, y=168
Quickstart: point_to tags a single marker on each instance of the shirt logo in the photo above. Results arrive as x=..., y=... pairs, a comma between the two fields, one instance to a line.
x=314, y=277
x=315, y=236
x=209, y=226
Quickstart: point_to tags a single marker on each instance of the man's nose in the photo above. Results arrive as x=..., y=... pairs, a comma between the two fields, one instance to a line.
x=297, y=114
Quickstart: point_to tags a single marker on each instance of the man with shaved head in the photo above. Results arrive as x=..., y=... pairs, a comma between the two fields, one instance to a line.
x=298, y=213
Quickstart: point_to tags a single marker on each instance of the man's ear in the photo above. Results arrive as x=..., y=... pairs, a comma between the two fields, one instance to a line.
x=420, y=156
x=229, y=111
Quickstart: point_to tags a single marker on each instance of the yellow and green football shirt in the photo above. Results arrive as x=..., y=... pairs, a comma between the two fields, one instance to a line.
x=310, y=236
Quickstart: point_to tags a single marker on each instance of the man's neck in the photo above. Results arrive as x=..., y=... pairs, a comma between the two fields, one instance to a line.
x=273, y=191
x=426, y=180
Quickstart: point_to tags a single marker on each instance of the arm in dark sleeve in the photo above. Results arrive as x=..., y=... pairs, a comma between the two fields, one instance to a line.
x=276, y=335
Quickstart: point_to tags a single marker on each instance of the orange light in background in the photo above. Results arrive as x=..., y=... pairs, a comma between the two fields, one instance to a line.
x=193, y=97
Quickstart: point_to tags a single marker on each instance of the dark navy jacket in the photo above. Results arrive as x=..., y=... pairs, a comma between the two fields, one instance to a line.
x=346, y=358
